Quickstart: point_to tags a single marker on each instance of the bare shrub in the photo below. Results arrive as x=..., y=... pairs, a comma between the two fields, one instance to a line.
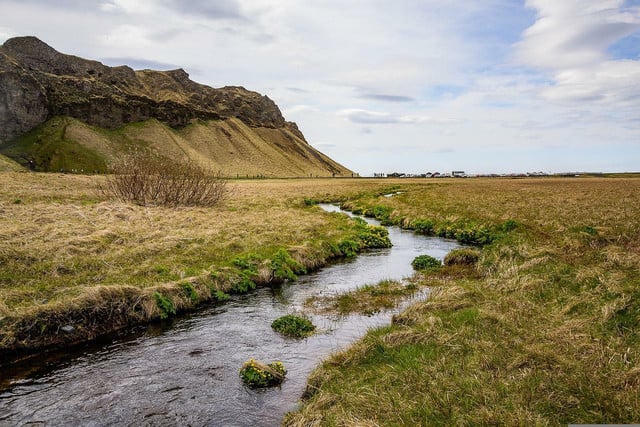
x=145, y=179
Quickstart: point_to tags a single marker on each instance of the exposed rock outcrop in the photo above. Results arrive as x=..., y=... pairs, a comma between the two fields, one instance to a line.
x=38, y=83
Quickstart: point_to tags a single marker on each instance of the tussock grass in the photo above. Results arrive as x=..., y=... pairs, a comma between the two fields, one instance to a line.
x=543, y=330
x=69, y=256
x=464, y=256
x=293, y=326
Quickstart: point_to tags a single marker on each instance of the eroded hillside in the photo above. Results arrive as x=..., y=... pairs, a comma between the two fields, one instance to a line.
x=60, y=111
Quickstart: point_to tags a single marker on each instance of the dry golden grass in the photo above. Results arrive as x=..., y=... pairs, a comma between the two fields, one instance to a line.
x=547, y=334
x=62, y=243
x=229, y=146
x=543, y=332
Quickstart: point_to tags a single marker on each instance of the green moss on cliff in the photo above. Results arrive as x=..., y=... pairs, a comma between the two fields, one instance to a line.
x=8, y=165
x=47, y=148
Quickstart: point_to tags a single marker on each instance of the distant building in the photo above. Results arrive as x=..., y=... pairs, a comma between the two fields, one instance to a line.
x=458, y=174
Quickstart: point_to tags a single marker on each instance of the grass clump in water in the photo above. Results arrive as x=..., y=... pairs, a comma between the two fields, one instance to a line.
x=372, y=236
x=375, y=237
x=256, y=374
x=293, y=326
x=425, y=263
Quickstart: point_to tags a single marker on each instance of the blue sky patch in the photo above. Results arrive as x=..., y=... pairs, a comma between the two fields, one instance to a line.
x=626, y=48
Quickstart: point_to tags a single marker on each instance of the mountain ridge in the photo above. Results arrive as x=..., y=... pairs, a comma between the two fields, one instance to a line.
x=39, y=84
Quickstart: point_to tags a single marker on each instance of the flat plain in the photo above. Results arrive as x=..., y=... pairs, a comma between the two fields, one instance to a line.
x=70, y=256
x=542, y=330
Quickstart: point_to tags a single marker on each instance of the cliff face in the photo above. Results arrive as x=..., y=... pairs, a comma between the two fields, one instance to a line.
x=38, y=84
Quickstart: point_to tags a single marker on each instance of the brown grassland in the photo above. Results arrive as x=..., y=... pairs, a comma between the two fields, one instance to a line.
x=229, y=146
x=542, y=331
x=71, y=257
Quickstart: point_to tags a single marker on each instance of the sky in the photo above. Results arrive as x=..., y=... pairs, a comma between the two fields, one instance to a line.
x=415, y=86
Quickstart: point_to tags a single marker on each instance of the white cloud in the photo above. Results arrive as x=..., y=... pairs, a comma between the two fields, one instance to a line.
x=569, y=41
x=298, y=109
x=137, y=7
x=128, y=35
x=432, y=74
x=611, y=82
x=575, y=33
x=375, y=117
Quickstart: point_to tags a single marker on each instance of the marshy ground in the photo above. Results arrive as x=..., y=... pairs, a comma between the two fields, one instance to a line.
x=542, y=330
x=71, y=257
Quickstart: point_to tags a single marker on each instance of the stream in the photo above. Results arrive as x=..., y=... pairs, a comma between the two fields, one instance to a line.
x=185, y=371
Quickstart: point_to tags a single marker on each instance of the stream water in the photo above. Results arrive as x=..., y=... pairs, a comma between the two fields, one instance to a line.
x=185, y=372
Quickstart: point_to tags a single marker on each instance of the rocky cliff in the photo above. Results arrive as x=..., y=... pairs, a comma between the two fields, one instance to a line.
x=38, y=84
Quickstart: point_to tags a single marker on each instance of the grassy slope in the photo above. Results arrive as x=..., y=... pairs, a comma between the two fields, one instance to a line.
x=226, y=145
x=8, y=165
x=69, y=256
x=55, y=146
x=545, y=332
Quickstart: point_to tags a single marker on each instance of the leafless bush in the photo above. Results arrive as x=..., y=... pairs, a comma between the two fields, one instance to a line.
x=145, y=179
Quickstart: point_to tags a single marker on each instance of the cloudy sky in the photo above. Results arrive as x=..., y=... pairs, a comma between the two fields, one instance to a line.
x=380, y=86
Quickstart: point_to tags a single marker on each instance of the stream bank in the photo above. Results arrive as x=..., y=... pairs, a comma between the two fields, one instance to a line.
x=185, y=371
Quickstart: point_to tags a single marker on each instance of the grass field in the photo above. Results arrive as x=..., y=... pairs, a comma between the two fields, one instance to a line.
x=71, y=257
x=543, y=331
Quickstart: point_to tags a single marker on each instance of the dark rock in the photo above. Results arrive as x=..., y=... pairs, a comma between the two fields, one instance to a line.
x=37, y=83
